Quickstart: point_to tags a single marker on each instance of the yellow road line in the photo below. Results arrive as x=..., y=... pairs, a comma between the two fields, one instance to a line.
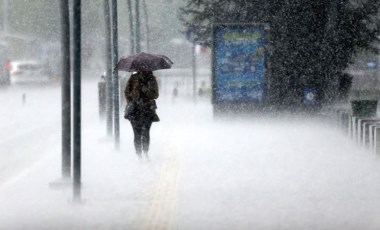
x=162, y=207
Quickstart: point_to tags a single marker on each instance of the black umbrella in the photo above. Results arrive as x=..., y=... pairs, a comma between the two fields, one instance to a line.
x=143, y=62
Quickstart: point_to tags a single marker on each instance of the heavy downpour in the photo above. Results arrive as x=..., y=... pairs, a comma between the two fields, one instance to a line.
x=189, y=114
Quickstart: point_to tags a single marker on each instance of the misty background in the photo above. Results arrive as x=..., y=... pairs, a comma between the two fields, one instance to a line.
x=33, y=31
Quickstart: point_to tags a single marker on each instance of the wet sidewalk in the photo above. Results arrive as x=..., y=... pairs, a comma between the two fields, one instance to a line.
x=229, y=174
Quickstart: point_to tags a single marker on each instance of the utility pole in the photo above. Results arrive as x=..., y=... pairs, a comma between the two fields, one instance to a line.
x=77, y=100
x=194, y=67
x=131, y=29
x=115, y=76
x=138, y=45
x=190, y=37
x=109, y=101
x=66, y=89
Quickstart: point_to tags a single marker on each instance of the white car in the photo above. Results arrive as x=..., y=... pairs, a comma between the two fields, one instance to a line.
x=29, y=72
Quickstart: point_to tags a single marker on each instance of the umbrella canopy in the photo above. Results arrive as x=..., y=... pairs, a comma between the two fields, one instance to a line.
x=143, y=62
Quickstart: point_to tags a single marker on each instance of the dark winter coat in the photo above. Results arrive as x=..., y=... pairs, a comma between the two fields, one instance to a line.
x=142, y=88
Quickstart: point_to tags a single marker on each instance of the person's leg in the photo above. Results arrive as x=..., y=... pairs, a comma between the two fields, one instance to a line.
x=137, y=131
x=146, y=136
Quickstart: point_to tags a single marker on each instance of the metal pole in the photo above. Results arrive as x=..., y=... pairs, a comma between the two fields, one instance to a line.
x=115, y=76
x=138, y=45
x=77, y=99
x=145, y=8
x=193, y=62
x=131, y=29
x=66, y=89
x=107, y=20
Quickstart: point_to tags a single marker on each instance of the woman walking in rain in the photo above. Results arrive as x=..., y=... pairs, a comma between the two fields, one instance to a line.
x=140, y=92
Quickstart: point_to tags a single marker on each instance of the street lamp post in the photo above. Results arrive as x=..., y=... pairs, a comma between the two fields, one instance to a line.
x=66, y=89
x=77, y=100
x=109, y=101
x=145, y=7
x=138, y=45
x=115, y=76
x=194, y=69
x=131, y=29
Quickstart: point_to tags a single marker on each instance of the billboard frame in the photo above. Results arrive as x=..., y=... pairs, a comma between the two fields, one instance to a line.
x=224, y=105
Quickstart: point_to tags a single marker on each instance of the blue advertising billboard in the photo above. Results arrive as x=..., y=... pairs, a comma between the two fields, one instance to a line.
x=239, y=63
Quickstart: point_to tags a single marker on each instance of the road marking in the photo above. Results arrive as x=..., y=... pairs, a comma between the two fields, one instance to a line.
x=21, y=165
x=161, y=208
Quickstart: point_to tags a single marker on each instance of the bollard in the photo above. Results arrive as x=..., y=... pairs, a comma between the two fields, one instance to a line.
x=102, y=97
x=338, y=118
x=372, y=129
x=365, y=133
x=360, y=127
x=23, y=98
x=371, y=135
x=362, y=131
x=345, y=122
x=377, y=141
x=350, y=126
x=354, y=127
x=341, y=119
x=359, y=131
